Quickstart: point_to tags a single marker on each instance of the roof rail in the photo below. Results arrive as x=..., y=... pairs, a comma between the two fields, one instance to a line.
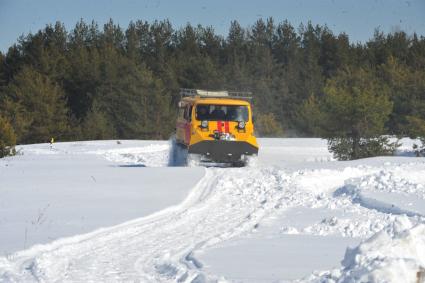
x=215, y=94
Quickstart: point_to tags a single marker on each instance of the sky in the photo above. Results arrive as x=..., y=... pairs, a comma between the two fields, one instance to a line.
x=357, y=18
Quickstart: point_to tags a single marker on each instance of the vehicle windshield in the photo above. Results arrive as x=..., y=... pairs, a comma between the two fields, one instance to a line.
x=221, y=112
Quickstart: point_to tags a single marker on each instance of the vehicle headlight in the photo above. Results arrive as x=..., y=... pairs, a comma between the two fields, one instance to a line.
x=241, y=124
x=204, y=124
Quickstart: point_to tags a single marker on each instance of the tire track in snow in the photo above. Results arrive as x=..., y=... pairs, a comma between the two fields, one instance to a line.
x=224, y=204
x=357, y=197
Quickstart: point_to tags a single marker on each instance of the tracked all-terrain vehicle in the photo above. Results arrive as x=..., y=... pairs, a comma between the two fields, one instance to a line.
x=216, y=126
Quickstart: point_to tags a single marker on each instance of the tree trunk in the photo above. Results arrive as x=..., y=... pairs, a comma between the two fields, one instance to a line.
x=356, y=145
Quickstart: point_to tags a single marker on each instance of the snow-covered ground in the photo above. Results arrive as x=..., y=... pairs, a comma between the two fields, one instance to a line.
x=108, y=211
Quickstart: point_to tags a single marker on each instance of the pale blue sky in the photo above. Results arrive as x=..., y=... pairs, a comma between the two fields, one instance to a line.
x=358, y=18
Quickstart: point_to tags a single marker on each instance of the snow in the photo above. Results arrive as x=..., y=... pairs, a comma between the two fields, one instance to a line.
x=394, y=254
x=48, y=194
x=119, y=211
x=272, y=259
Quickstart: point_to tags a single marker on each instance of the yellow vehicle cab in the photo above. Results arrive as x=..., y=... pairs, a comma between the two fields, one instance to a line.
x=216, y=126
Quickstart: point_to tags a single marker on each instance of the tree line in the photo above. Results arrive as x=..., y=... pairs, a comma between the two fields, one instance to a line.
x=110, y=82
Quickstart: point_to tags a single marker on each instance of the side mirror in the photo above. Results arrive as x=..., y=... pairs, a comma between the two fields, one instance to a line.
x=253, y=119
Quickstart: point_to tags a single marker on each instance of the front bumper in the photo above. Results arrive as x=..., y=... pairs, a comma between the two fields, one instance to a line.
x=222, y=150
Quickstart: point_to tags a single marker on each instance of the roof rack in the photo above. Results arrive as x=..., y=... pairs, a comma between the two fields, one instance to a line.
x=215, y=94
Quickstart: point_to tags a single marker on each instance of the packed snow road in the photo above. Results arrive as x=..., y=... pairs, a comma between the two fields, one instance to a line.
x=291, y=192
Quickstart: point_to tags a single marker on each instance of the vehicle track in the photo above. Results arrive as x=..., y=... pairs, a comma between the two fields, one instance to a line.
x=157, y=248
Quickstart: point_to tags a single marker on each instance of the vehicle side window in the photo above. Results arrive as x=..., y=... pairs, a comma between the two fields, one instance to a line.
x=181, y=113
x=187, y=113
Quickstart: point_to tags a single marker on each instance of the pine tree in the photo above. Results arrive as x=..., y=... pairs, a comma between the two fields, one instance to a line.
x=309, y=117
x=236, y=58
x=36, y=107
x=407, y=91
x=267, y=126
x=132, y=101
x=416, y=130
x=96, y=126
x=7, y=138
x=3, y=76
x=354, y=109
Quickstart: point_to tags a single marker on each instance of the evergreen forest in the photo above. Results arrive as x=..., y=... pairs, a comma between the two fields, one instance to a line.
x=109, y=82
